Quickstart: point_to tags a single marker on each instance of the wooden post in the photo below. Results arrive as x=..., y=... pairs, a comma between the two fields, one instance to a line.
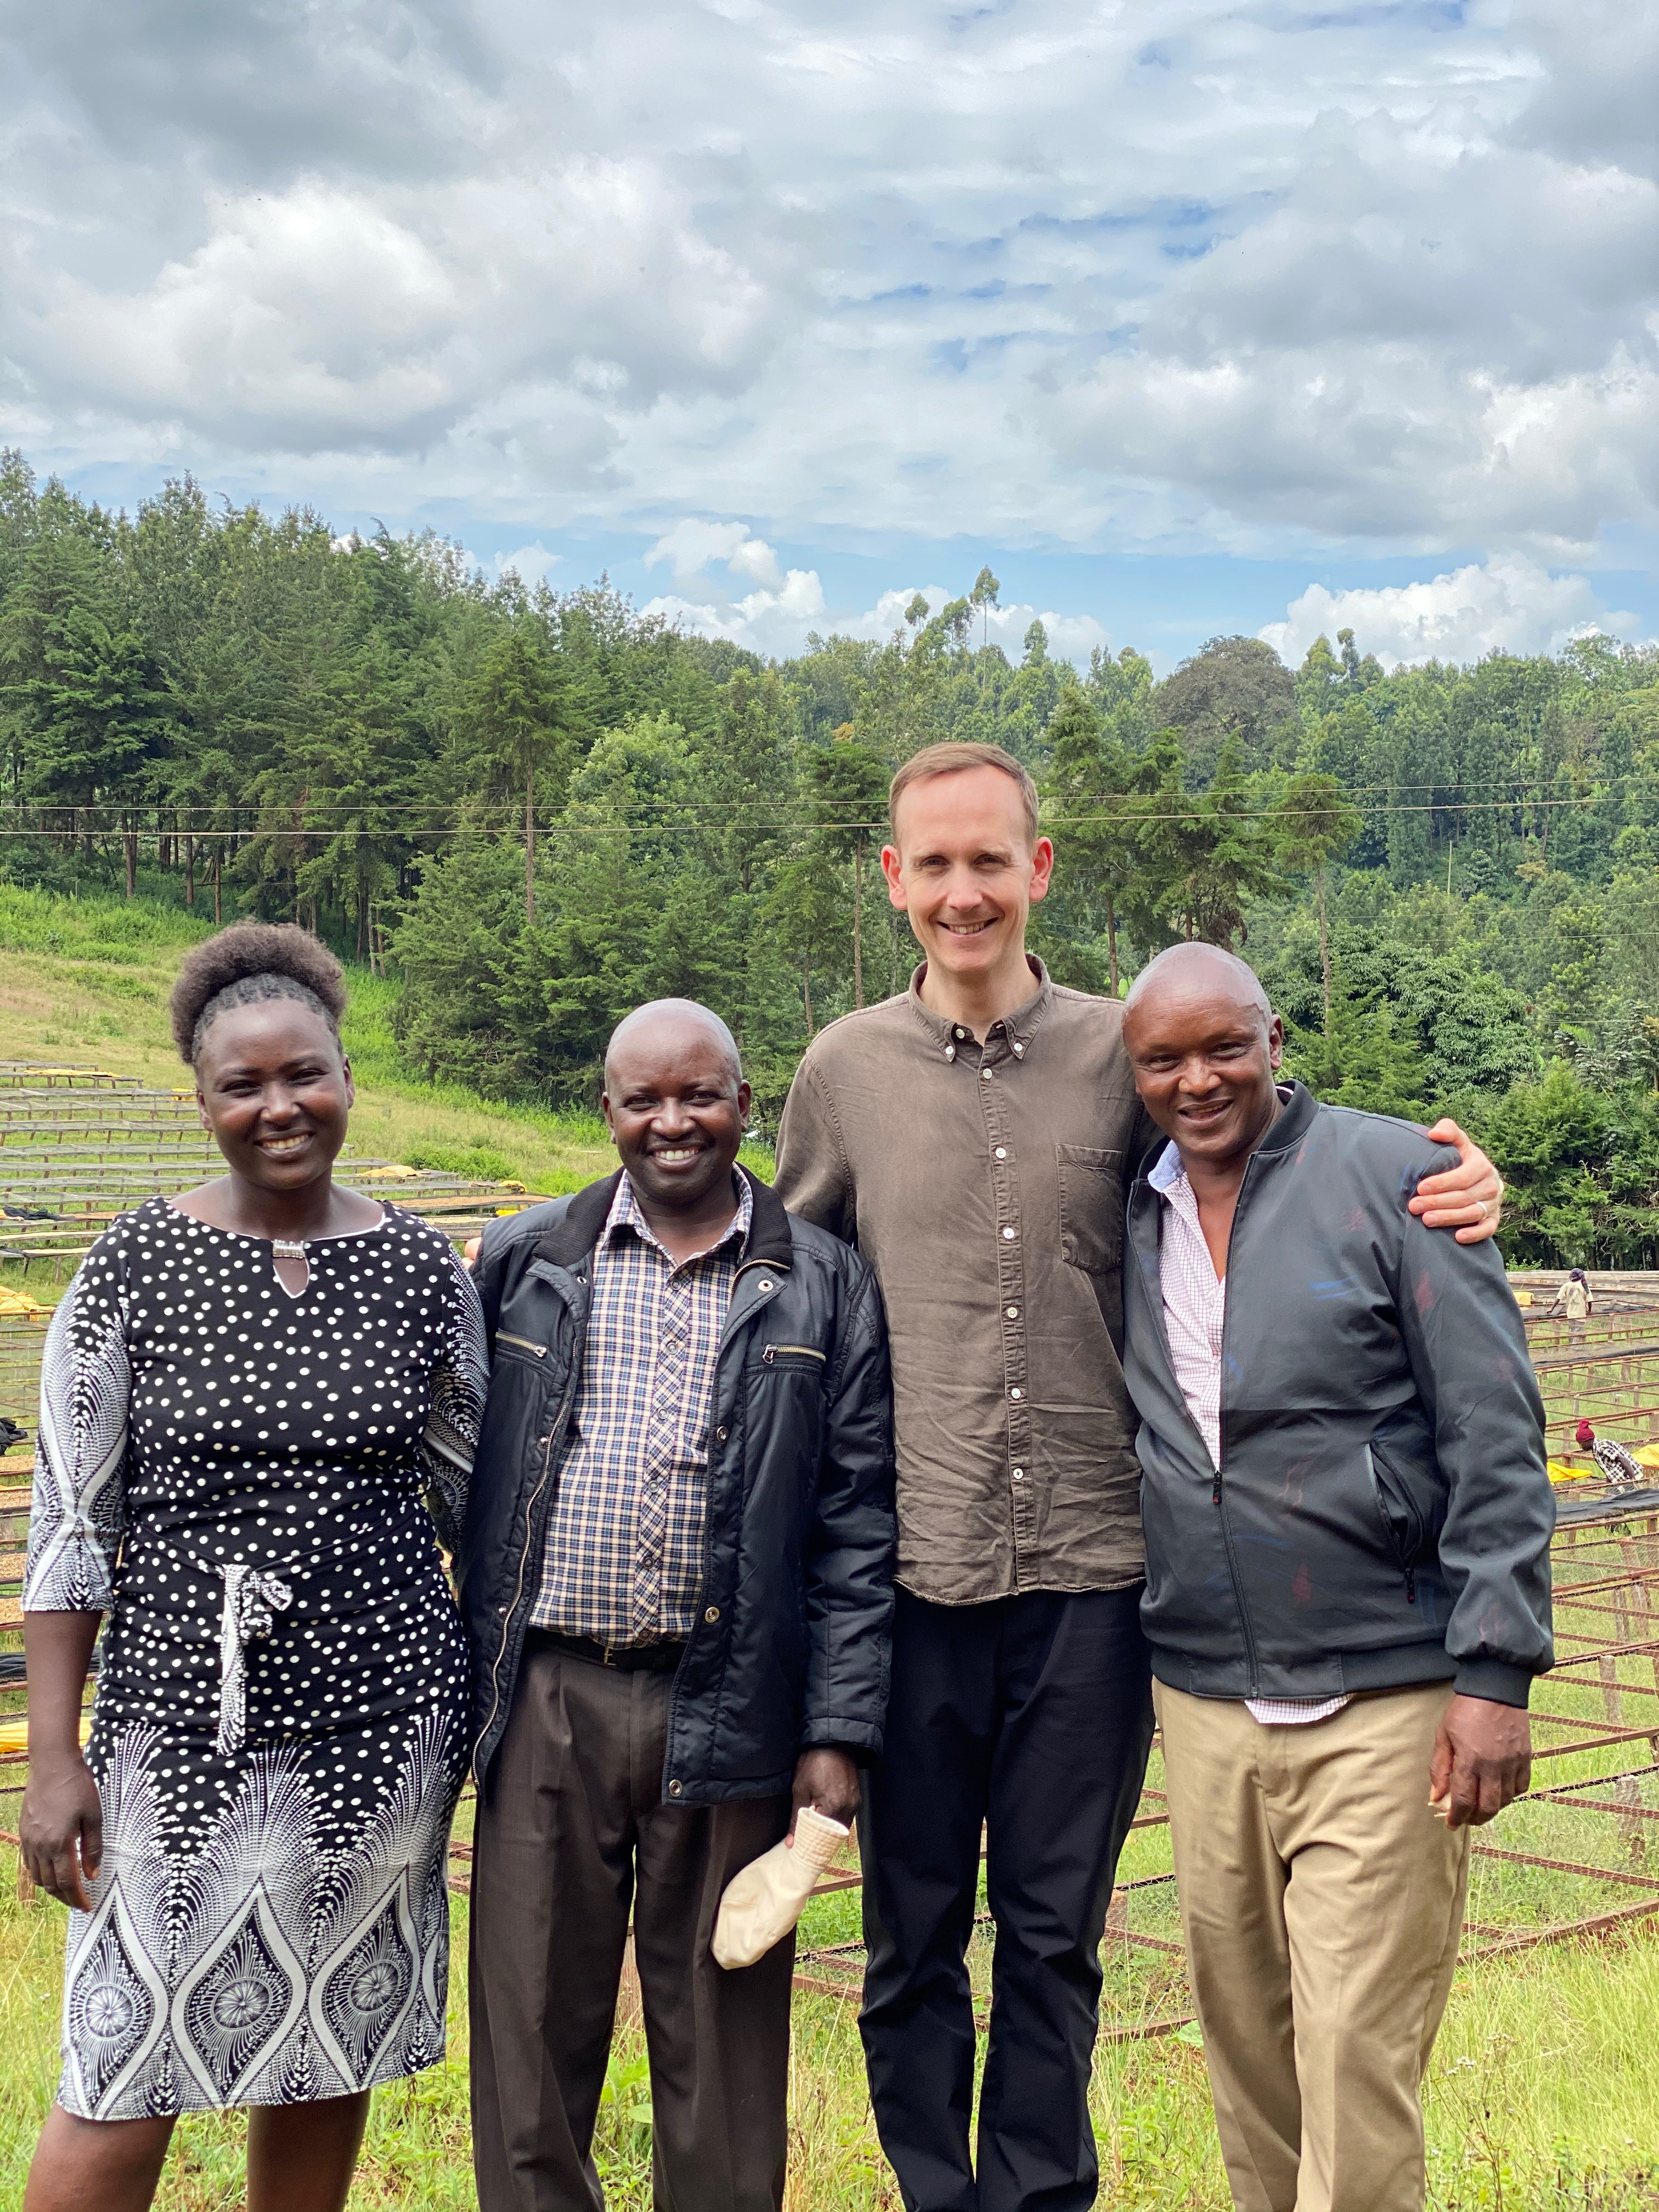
x=530, y=859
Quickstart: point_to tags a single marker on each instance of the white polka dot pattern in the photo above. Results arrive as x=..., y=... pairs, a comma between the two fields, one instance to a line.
x=269, y=1926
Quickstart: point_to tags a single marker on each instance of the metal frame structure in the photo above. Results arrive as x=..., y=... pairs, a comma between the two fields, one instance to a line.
x=1592, y=1817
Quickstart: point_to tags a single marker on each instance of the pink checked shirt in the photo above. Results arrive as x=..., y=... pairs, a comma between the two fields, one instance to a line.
x=1194, y=1310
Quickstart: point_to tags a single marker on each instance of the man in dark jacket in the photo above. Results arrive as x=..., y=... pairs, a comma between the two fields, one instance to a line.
x=1349, y=1519
x=677, y=1579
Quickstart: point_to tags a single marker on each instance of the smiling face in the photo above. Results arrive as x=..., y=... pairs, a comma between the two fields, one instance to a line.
x=677, y=1106
x=1204, y=1049
x=276, y=1089
x=965, y=868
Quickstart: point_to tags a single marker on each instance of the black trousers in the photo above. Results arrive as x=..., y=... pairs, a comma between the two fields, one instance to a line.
x=577, y=1833
x=1032, y=1715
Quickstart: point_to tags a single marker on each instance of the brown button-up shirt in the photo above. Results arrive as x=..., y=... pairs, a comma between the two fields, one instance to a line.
x=985, y=1183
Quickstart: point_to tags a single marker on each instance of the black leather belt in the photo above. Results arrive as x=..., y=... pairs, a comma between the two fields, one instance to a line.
x=627, y=1659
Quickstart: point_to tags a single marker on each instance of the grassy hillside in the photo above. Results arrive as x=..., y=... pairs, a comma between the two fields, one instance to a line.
x=88, y=979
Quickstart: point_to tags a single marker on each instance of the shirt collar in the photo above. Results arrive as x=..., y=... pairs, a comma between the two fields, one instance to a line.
x=1021, y=1026
x=1169, y=1169
x=626, y=1213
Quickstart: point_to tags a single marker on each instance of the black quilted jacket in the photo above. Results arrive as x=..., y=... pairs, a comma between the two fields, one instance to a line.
x=791, y=1645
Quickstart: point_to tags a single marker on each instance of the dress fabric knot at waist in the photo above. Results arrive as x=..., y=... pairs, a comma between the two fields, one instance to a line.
x=252, y=1600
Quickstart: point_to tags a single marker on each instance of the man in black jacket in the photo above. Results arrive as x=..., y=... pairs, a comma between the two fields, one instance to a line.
x=677, y=1579
x=1349, y=1519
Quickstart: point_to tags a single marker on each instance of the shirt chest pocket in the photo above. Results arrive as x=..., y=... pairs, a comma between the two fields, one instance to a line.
x=1090, y=1207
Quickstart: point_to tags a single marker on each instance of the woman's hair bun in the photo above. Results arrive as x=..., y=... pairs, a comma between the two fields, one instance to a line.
x=275, y=959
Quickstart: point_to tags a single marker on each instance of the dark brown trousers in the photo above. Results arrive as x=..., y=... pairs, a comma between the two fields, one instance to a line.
x=575, y=1833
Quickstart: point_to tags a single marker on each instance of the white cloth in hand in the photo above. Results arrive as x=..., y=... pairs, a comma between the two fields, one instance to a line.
x=763, y=1903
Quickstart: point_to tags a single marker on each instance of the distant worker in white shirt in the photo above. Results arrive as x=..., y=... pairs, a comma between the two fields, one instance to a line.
x=1575, y=1299
x=1348, y=1518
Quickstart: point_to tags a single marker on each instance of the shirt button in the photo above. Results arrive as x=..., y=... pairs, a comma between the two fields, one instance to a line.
x=958, y=1033
x=1019, y=1475
x=985, y=1074
x=1009, y=1235
x=765, y=1285
x=712, y=1613
x=950, y=1052
x=1002, y=1151
x=1012, y=1313
x=1019, y=1047
x=1016, y=1393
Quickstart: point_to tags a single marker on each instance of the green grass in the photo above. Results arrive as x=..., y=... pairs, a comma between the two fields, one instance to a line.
x=1543, y=2096
x=88, y=979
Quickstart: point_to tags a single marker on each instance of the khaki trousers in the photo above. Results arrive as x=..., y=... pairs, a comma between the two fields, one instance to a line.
x=1322, y=1903
x=574, y=1834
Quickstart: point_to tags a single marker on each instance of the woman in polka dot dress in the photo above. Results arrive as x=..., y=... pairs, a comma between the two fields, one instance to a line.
x=257, y=1400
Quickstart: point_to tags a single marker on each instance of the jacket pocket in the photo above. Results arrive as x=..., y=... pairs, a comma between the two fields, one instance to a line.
x=1410, y=1509
x=1090, y=1207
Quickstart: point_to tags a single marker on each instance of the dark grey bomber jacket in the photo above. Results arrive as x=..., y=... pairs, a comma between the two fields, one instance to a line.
x=1382, y=1512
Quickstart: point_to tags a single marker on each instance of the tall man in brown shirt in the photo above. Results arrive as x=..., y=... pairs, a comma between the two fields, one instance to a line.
x=975, y=1138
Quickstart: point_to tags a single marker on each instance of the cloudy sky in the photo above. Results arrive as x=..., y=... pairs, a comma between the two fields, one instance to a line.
x=1187, y=318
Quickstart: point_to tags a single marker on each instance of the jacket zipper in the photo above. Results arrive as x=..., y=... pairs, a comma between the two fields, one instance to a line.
x=806, y=1352
x=1216, y=1497
x=728, y=1335
x=554, y=1431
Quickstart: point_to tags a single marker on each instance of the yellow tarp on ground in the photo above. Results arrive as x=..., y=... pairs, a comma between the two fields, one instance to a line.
x=1561, y=1472
x=20, y=1302
x=15, y=1731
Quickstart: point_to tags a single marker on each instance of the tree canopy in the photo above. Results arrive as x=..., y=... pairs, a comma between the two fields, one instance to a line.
x=534, y=808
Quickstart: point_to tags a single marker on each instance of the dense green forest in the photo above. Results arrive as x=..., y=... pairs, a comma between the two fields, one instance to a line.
x=532, y=810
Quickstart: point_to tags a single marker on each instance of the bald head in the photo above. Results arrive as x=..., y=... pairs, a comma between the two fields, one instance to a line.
x=1205, y=1047
x=665, y=1022
x=1199, y=971
x=676, y=1105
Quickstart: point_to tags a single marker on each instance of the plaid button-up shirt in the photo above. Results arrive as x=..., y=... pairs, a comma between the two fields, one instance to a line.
x=624, y=1558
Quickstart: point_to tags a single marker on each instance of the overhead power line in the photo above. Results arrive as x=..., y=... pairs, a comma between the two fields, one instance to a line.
x=399, y=826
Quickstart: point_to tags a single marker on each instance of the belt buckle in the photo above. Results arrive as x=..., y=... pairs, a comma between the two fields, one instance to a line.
x=605, y=1650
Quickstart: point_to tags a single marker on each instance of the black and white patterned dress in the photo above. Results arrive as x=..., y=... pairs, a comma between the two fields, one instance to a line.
x=246, y=1482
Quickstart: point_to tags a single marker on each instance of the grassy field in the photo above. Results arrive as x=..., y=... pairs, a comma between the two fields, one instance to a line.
x=1545, y=2092
x=1544, y=2095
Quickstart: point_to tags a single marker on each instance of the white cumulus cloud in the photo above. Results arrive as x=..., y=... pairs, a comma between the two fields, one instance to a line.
x=530, y=564
x=778, y=618
x=690, y=545
x=1509, y=603
x=1374, y=278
